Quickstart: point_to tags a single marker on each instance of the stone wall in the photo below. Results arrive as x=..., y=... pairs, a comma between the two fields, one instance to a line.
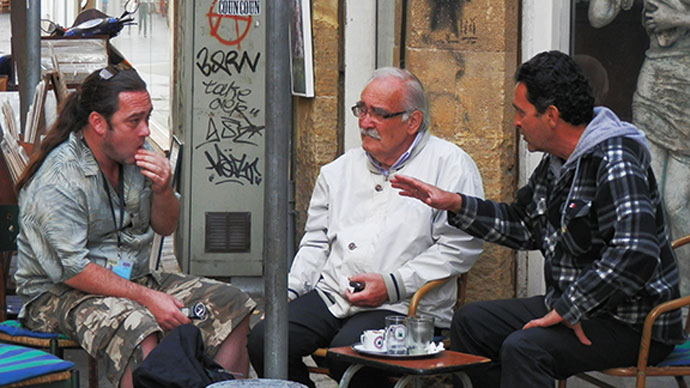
x=465, y=53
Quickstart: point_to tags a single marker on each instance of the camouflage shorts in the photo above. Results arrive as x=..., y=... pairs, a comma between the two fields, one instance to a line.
x=112, y=328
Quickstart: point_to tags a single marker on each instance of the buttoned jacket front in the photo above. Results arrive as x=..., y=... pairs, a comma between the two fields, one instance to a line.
x=357, y=223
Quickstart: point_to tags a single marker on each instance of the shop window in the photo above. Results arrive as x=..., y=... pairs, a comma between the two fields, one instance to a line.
x=611, y=55
x=146, y=44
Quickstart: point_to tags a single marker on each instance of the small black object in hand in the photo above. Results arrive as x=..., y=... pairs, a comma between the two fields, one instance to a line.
x=356, y=286
x=197, y=311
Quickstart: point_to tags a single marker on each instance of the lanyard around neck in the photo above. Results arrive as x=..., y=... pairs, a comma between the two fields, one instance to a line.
x=121, y=194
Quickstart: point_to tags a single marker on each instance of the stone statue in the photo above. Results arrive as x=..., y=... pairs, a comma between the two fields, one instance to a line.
x=661, y=104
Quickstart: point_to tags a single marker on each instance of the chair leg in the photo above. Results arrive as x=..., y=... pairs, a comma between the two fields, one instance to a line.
x=74, y=380
x=93, y=372
x=681, y=382
x=562, y=383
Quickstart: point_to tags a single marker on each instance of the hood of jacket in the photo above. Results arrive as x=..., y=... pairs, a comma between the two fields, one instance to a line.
x=603, y=126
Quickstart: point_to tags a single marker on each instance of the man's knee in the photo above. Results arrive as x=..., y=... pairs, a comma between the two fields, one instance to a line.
x=464, y=319
x=468, y=314
x=148, y=344
x=519, y=345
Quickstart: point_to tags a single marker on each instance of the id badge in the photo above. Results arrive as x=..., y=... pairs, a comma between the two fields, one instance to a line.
x=121, y=267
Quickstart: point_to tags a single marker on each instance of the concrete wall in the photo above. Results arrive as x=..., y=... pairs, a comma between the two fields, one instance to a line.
x=465, y=54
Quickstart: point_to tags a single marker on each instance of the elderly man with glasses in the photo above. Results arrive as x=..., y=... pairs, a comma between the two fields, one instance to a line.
x=359, y=231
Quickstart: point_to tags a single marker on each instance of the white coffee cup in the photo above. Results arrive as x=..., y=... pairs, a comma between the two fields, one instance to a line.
x=373, y=340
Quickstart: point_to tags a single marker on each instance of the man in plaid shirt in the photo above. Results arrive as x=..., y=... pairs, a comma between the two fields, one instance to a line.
x=593, y=209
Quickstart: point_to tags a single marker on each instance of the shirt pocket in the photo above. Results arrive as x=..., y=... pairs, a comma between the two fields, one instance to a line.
x=576, y=229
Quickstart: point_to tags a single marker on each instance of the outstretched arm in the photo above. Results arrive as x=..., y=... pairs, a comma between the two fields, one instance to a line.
x=430, y=195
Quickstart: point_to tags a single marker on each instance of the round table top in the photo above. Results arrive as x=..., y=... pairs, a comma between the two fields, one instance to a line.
x=255, y=383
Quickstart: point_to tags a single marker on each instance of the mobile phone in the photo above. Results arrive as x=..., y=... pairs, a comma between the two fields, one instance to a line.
x=356, y=286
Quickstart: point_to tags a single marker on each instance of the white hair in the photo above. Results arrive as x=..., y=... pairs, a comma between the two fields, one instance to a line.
x=414, y=97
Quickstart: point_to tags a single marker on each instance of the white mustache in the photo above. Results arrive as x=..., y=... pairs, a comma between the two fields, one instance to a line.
x=372, y=133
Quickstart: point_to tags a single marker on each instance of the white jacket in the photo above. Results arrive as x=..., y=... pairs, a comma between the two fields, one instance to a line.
x=357, y=223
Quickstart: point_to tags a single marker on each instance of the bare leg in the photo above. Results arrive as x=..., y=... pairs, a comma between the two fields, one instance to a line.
x=232, y=354
x=147, y=346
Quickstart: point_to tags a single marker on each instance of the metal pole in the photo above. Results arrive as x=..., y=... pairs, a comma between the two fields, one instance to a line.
x=278, y=125
x=33, y=57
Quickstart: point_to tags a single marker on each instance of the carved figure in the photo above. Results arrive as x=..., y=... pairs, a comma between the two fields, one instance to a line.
x=661, y=103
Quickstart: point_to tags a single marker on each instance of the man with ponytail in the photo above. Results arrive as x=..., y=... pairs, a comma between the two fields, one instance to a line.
x=90, y=201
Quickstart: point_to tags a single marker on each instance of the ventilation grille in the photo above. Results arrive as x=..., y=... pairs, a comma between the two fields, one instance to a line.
x=228, y=232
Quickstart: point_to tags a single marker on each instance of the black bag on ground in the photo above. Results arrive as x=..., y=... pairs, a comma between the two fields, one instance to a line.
x=179, y=361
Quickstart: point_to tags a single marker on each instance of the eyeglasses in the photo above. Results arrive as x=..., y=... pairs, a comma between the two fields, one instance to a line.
x=111, y=71
x=360, y=109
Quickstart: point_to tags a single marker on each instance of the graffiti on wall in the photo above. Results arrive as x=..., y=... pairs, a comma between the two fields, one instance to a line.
x=228, y=167
x=229, y=21
x=231, y=146
x=230, y=62
x=448, y=14
x=468, y=30
x=232, y=122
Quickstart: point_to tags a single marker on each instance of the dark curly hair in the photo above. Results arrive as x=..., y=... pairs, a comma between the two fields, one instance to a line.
x=553, y=78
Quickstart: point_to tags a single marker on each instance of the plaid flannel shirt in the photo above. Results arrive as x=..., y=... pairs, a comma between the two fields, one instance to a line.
x=606, y=250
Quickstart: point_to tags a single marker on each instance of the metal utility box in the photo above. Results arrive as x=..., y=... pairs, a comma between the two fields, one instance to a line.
x=223, y=186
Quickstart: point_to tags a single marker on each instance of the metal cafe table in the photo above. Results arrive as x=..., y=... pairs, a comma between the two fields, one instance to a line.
x=445, y=362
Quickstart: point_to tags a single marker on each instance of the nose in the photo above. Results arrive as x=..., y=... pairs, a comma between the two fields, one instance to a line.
x=516, y=121
x=144, y=129
x=365, y=120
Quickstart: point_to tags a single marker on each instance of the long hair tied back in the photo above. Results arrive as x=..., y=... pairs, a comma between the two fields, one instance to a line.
x=99, y=93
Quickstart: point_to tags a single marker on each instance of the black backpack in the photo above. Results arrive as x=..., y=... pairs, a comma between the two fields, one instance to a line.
x=179, y=361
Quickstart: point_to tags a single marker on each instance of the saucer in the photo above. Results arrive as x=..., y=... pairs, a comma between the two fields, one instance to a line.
x=359, y=348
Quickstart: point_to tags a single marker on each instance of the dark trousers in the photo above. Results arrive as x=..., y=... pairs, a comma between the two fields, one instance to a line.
x=312, y=326
x=535, y=357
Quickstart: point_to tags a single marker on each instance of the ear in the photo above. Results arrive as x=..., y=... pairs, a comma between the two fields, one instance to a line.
x=98, y=123
x=414, y=122
x=553, y=115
